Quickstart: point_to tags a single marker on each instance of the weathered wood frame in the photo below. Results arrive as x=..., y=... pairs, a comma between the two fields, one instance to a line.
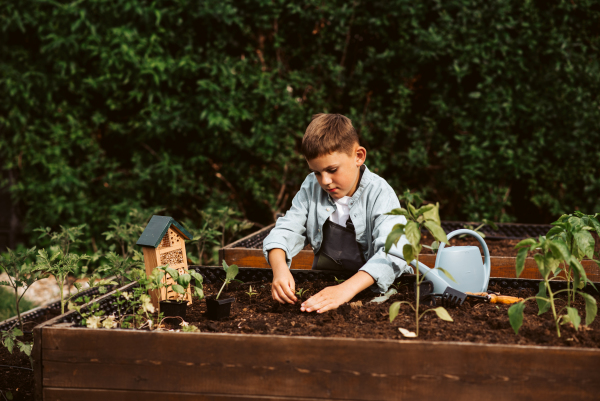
x=502, y=266
x=98, y=364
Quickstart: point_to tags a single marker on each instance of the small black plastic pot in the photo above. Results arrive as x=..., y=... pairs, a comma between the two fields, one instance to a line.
x=173, y=308
x=218, y=309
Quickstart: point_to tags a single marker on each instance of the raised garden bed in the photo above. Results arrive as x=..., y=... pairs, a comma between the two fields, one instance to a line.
x=74, y=363
x=247, y=251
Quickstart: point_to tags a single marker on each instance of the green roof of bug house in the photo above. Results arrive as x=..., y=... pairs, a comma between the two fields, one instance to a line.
x=157, y=228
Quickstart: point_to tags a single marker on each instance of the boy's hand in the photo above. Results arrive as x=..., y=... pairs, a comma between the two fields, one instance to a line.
x=283, y=287
x=332, y=297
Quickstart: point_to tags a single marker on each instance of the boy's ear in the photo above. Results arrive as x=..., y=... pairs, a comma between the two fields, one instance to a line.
x=361, y=156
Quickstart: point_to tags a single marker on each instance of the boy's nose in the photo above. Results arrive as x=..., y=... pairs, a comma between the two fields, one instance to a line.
x=326, y=179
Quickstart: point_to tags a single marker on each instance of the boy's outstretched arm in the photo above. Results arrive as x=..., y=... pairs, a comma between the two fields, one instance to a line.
x=283, y=288
x=332, y=297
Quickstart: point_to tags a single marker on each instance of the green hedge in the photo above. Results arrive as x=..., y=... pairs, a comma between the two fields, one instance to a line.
x=489, y=107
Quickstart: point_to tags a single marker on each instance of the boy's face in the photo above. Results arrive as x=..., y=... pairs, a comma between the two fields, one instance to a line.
x=338, y=172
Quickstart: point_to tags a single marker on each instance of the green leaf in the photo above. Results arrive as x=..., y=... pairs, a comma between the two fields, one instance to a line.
x=521, y=257
x=591, y=308
x=199, y=292
x=443, y=314
x=539, y=259
x=559, y=249
x=232, y=272
x=446, y=272
x=515, y=316
x=585, y=242
x=425, y=209
x=184, y=279
x=197, y=276
x=434, y=215
x=394, y=310
x=595, y=224
x=178, y=289
x=526, y=243
x=408, y=252
x=554, y=231
x=412, y=210
x=9, y=344
x=437, y=231
x=394, y=236
x=413, y=233
x=399, y=212
x=551, y=263
x=573, y=317
x=542, y=299
x=173, y=273
x=25, y=348
x=578, y=272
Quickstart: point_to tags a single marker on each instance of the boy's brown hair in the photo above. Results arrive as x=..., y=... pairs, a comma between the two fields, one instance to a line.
x=328, y=133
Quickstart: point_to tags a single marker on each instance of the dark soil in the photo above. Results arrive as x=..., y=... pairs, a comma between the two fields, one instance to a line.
x=17, y=381
x=474, y=321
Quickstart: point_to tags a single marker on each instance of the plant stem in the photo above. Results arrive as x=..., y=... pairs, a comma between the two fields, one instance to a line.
x=418, y=296
x=17, y=307
x=553, y=307
x=62, y=299
x=223, y=286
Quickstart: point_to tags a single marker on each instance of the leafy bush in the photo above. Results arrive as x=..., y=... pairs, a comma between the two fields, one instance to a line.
x=108, y=106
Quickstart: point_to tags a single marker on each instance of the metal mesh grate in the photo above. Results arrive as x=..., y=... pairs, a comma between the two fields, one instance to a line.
x=505, y=231
x=38, y=312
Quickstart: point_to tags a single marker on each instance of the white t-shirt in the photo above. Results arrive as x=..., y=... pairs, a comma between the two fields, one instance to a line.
x=341, y=214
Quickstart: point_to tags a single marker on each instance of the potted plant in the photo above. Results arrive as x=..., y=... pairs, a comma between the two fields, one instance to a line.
x=172, y=308
x=218, y=309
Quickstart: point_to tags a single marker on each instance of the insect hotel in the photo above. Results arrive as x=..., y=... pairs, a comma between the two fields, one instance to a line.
x=163, y=242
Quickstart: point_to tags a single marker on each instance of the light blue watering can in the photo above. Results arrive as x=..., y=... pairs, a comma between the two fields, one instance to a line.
x=462, y=262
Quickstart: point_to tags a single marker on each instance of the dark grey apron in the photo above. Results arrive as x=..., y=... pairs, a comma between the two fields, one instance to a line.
x=339, y=250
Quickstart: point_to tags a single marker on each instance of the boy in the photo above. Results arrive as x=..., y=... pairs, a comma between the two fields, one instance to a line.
x=340, y=210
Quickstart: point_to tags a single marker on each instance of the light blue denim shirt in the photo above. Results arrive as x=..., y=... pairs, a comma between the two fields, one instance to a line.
x=312, y=206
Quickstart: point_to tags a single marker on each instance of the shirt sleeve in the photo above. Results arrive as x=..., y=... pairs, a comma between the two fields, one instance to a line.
x=289, y=232
x=385, y=268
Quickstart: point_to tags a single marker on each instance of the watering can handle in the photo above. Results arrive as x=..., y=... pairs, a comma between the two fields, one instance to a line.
x=486, y=253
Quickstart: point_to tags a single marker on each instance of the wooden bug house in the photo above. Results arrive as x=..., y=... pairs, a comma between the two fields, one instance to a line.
x=163, y=242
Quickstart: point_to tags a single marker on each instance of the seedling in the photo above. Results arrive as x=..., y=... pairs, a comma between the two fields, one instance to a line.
x=251, y=293
x=563, y=248
x=180, y=282
x=425, y=216
x=230, y=273
x=60, y=263
x=20, y=274
x=301, y=292
x=9, y=339
x=338, y=281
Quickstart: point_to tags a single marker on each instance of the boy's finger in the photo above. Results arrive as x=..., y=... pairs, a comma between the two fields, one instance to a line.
x=290, y=292
x=276, y=297
x=282, y=294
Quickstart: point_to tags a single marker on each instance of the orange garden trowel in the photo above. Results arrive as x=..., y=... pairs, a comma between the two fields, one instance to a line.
x=494, y=298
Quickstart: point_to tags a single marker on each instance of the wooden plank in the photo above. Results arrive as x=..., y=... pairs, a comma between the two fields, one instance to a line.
x=62, y=394
x=337, y=368
x=151, y=262
x=245, y=257
x=502, y=266
x=37, y=362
